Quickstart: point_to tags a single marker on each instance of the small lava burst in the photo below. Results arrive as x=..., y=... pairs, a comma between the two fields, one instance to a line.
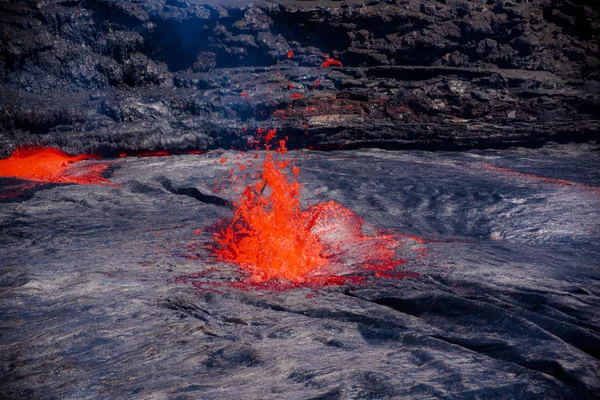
x=268, y=237
x=48, y=165
x=272, y=239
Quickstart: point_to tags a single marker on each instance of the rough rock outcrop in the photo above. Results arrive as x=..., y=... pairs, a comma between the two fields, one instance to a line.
x=106, y=76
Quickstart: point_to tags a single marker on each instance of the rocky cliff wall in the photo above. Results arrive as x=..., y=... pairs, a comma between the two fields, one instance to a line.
x=107, y=76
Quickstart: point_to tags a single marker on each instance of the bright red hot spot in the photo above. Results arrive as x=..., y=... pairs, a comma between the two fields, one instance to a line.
x=51, y=166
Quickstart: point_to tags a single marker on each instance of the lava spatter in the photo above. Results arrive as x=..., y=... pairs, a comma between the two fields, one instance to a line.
x=268, y=236
x=272, y=239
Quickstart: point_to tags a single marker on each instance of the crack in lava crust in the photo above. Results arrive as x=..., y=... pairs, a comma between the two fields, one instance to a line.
x=271, y=238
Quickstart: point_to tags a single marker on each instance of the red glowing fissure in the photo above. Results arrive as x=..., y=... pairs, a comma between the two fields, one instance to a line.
x=558, y=181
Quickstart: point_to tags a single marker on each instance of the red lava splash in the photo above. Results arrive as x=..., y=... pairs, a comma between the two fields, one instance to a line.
x=50, y=165
x=273, y=240
x=268, y=236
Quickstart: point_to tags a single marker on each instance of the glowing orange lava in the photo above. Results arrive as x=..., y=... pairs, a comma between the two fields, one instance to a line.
x=268, y=236
x=51, y=166
x=272, y=239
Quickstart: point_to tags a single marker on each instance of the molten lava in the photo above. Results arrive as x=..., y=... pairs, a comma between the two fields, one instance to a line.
x=272, y=239
x=269, y=236
x=51, y=166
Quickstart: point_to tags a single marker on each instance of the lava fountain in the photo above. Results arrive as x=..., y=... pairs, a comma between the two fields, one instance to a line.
x=272, y=239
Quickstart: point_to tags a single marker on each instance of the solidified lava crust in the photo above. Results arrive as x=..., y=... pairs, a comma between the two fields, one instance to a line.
x=507, y=287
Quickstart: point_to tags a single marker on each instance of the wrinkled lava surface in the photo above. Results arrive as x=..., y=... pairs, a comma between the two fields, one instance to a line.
x=109, y=291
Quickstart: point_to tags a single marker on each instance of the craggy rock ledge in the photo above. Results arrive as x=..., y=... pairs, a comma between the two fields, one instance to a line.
x=106, y=76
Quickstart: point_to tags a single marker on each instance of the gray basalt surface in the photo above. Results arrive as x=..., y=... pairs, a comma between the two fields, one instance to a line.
x=97, y=298
x=106, y=76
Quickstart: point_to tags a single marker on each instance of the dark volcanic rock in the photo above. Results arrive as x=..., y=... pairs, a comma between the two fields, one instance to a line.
x=107, y=76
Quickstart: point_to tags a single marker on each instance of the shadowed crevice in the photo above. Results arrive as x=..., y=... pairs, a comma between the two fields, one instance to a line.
x=194, y=193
